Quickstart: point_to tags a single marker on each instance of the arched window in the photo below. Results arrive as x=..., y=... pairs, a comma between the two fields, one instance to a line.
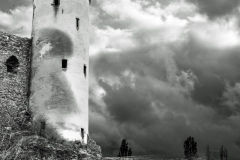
x=12, y=64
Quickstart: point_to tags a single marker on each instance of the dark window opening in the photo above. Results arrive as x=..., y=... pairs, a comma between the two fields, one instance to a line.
x=64, y=64
x=90, y=1
x=82, y=133
x=56, y=2
x=12, y=64
x=43, y=125
x=77, y=23
x=85, y=70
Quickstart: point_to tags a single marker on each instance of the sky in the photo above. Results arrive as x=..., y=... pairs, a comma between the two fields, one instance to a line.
x=160, y=71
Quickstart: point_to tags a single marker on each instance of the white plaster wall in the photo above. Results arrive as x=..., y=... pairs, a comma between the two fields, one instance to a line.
x=46, y=63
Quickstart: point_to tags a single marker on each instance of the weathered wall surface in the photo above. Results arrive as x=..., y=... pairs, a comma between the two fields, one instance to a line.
x=14, y=86
x=61, y=94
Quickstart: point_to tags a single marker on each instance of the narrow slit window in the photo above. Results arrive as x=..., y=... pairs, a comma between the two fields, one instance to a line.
x=64, y=64
x=56, y=2
x=43, y=125
x=82, y=133
x=90, y=1
x=77, y=23
x=85, y=70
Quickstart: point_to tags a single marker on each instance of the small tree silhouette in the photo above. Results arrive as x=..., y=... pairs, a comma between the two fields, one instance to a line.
x=124, y=149
x=223, y=153
x=190, y=147
x=130, y=152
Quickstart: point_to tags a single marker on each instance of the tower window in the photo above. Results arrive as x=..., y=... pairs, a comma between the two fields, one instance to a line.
x=85, y=70
x=77, y=23
x=90, y=1
x=82, y=133
x=56, y=2
x=43, y=125
x=64, y=64
x=12, y=64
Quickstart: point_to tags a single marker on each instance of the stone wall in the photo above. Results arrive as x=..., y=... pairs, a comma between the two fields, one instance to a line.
x=14, y=83
x=14, y=103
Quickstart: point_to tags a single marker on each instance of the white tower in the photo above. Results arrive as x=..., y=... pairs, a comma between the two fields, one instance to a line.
x=60, y=62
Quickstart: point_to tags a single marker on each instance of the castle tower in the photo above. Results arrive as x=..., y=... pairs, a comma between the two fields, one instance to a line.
x=59, y=67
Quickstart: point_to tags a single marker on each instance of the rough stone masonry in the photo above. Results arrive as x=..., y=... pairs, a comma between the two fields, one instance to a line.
x=14, y=84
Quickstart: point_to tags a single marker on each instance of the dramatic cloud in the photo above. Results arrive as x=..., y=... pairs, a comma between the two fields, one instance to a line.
x=231, y=98
x=161, y=73
x=212, y=53
x=18, y=21
x=8, y=5
x=215, y=8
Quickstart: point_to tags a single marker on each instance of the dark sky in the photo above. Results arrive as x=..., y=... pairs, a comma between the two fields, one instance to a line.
x=161, y=71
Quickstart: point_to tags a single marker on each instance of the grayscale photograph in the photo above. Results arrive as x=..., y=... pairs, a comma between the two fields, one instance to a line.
x=119, y=79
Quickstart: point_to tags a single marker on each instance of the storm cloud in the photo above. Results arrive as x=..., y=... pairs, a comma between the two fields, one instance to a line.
x=163, y=74
x=161, y=71
x=17, y=21
x=216, y=8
